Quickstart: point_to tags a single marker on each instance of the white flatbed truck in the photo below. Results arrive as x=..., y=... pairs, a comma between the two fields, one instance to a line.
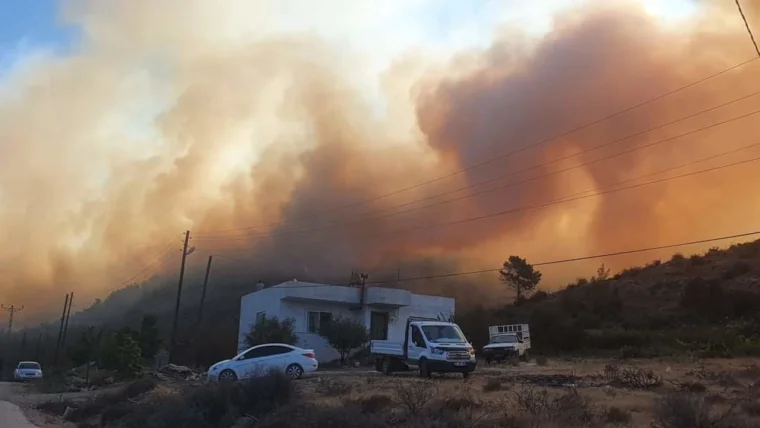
x=429, y=346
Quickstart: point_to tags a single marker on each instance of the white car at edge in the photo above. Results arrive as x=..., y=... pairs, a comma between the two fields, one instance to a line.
x=259, y=360
x=27, y=370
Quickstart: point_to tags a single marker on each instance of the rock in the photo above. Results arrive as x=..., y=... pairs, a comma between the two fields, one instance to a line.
x=175, y=369
x=609, y=391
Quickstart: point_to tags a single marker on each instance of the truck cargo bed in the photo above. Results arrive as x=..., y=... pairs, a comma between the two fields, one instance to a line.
x=387, y=347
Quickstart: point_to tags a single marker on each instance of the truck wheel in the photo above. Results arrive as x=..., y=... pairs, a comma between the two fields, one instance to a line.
x=387, y=366
x=424, y=370
x=524, y=357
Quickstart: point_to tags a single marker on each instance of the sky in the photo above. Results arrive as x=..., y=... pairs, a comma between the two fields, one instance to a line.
x=26, y=25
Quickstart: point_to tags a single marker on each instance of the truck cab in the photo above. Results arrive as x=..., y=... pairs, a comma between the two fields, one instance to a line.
x=428, y=346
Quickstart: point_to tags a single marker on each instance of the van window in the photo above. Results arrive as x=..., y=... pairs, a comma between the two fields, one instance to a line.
x=417, y=338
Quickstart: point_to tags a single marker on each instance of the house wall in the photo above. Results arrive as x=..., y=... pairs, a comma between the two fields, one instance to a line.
x=299, y=310
x=267, y=301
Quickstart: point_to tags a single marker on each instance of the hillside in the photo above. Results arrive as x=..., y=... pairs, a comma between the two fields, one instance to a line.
x=706, y=304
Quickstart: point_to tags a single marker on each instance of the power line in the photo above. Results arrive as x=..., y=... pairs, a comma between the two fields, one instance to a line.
x=577, y=259
x=508, y=185
x=572, y=198
x=158, y=261
x=746, y=24
x=517, y=151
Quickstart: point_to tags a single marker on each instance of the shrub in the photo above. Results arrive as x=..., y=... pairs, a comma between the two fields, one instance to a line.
x=616, y=415
x=414, y=395
x=215, y=404
x=683, y=410
x=272, y=330
x=677, y=258
x=492, y=385
x=345, y=335
x=332, y=387
x=374, y=403
x=736, y=270
x=638, y=378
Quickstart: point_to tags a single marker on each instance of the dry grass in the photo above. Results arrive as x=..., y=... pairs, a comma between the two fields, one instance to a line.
x=569, y=393
x=611, y=393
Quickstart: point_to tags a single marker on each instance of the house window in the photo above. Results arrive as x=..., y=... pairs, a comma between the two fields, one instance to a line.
x=260, y=316
x=317, y=320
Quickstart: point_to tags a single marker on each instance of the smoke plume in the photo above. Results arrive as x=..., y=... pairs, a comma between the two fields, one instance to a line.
x=271, y=146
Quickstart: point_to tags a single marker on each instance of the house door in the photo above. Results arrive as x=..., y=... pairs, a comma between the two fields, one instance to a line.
x=378, y=325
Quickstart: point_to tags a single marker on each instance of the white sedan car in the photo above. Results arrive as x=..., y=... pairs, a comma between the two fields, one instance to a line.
x=27, y=370
x=261, y=359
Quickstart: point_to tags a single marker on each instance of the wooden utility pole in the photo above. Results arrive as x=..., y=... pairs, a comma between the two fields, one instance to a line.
x=66, y=325
x=173, y=340
x=11, y=311
x=60, y=330
x=203, y=293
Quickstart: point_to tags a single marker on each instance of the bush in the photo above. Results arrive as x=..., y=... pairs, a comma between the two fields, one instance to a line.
x=736, y=270
x=375, y=403
x=332, y=387
x=272, y=330
x=345, y=335
x=115, y=400
x=492, y=385
x=414, y=395
x=680, y=410
x=216, y=404
x=616, y=415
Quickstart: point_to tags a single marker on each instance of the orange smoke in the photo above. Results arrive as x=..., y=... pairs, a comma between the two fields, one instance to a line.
x=269, y=153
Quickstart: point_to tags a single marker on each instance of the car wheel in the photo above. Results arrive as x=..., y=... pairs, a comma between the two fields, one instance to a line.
x=294, y=371
x=424, y=370
x=227, y=376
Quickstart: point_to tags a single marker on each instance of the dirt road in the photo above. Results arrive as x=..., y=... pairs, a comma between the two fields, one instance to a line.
x=10, y=414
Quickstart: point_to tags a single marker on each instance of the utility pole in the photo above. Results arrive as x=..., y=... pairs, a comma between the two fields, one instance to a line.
x=173, y=340
x=66, y=325
x=11, y=311
x=746, y=24
x=203, y=293
x=60, y=330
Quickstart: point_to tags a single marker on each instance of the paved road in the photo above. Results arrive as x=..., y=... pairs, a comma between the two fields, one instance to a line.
x=10, y=415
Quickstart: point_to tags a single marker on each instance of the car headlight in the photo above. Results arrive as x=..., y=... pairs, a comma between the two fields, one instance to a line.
x=471, y=351
x=436, y=351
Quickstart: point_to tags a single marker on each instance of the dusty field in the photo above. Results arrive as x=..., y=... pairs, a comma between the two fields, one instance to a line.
x=613, y=393
x=557, y=393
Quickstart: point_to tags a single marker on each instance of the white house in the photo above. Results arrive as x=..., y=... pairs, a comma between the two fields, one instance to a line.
x=382, y=310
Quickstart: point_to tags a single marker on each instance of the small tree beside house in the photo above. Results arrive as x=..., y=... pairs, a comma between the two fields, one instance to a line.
x=345, y=335
x=271, y=330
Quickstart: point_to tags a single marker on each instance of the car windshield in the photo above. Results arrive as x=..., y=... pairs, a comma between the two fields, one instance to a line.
x=443, y=334
x=504, y=338
x=28, y=366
